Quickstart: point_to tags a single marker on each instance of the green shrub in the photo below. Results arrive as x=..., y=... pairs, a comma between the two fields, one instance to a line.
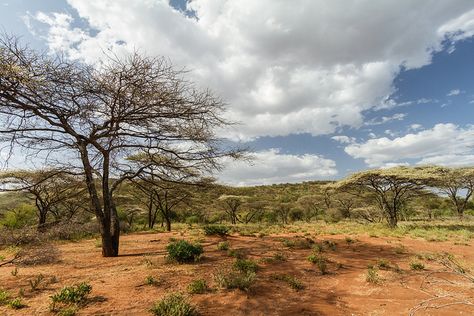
x=223, y=245
x=416, y=266
x=233, y=279
x=21, y=216
x=16, y=303
x=298, y=243
x=383, y=264
x=320, y=261
x=372, y=275
x=69, y=295
x=183, y=251
x=150, y=280
x=193, y=219
x=4, y=297
x=292, y=281
x=236, y=253
x=219, y=230
x=174, y=304
x=245, y=265
x=35, y=283
x=68, y=311
x=198, y=287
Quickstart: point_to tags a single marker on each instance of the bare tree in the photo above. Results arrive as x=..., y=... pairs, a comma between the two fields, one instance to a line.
x=89, y=118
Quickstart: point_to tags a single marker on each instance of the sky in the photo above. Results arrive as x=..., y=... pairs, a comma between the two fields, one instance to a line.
x=320, y=88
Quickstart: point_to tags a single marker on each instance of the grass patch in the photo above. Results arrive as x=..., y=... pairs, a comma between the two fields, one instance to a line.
x=234, y=279
x=372, y=275
x=417, y=266
x=320, y=261
x=198, y=287
x=70, y=296
x=223, y=245
x=246, y=265
x=174, y=304
x=292, y=281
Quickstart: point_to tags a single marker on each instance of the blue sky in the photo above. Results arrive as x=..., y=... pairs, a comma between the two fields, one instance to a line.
x=320, y=91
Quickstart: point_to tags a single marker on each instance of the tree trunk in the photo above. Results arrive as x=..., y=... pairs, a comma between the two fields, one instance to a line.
x=168, y=224
x=110, y=234
x=42, y=220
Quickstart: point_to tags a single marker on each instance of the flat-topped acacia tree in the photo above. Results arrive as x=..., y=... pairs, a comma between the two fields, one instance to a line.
x=89, y=118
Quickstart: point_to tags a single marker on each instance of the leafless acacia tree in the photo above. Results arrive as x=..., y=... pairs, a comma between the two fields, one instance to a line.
x=90, y=118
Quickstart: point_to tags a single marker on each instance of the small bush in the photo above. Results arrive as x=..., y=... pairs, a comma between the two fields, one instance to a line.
x=232, y=279
x=4, y=297
x=36, y=281
x=71, y=295
x=298, y=243
x=14, y=272
x=292, y=281
x=198, y=287
x=320, y=261
x=183, y=251
x=174, y=304
x=150, y=280
x=383, y=264
x=372, y=275
x=16, y=303
x=219, y=230
x=416, y=266
x=329, y=244
x=236, y=253
x=349, y=240
x=246, y=265
x=68, y=311
x=223, y=245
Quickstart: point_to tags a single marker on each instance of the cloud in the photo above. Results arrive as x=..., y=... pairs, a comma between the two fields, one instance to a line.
x=453, y=92
x=446, y=144
x=343, y=139
x=282, y=68
x=415, y=127
x=385, y=119
x=272, y=166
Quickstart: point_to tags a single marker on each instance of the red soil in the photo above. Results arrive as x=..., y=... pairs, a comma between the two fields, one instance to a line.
x=119, y=283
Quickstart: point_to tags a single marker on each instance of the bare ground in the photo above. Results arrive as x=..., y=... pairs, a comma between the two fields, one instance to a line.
x=119, y=283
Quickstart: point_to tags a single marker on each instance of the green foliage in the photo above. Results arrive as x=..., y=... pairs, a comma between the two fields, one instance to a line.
x=150, y=280
x=292, y=281
x=320, y=261
x=16, y=303
x=198, y=287
x=372, y=275
x=193, y=219
x=298, y=243
x=23, y=215
x=174, y=304
x=219, y=230
x=68, y=311
x=71, y=295
x=383, y=264
x=246, y=265
x=416, y=265
x=234, y=279
x=223, y=245
x=4, y=297
x=236, y=253
x=36, y=281
x=183, y=251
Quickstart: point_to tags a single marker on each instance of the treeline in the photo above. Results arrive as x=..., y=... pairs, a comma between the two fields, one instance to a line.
x=48, y=197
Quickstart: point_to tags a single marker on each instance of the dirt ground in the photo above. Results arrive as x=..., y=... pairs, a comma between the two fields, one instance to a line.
x=119, y=283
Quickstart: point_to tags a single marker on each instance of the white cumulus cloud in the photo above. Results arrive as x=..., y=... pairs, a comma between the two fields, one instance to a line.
x=445, y=144
x=283, y=67
x=272, y=166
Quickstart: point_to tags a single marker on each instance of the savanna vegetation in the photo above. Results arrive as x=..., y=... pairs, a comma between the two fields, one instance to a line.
x=128, y=148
